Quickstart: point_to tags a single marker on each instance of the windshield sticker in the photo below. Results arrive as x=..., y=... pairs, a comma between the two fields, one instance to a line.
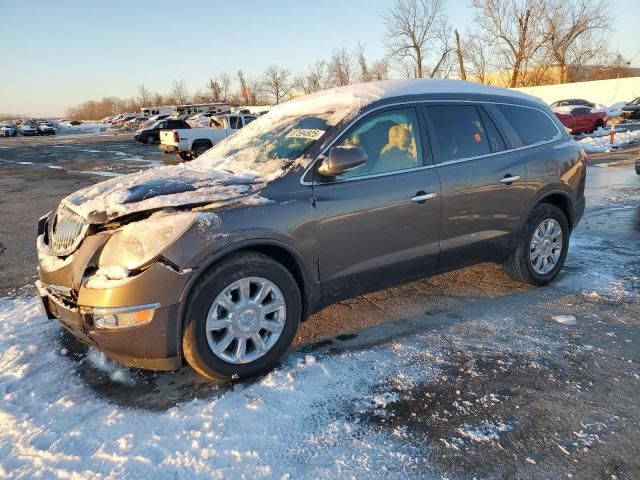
x=309, y=133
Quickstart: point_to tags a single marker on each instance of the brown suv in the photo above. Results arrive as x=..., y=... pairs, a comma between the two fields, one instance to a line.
x=338, y=193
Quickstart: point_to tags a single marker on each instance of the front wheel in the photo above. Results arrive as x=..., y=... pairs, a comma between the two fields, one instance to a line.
x=184, y=156
x=241, y=317
x=150, y=140
x=542, y=246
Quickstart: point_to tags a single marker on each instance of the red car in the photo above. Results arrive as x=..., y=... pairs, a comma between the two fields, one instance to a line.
x=580, y=119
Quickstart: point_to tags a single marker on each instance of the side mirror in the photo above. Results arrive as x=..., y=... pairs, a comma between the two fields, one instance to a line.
x=341, y=160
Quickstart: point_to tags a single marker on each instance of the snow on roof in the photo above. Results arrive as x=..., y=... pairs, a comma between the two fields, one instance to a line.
x=365, y=93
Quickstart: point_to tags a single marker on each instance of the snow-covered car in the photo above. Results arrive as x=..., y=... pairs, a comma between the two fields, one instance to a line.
x=631, y=111
x=572, y=102
x=45, y=129
x=581, y=119
x=28, y=129
x=8, y=130
x=191, y=143
x=326, y=197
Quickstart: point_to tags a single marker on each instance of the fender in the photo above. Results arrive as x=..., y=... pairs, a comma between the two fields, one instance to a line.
x=310, y=288
x=545, y=192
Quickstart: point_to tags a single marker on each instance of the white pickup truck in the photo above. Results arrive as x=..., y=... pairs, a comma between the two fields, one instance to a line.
x=190, y=143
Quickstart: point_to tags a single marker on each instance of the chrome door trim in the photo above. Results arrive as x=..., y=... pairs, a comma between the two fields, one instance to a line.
x=512, y=179
x=424, y=198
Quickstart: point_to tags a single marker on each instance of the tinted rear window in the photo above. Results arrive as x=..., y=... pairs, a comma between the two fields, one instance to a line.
x=530, y=124
x=459, y=131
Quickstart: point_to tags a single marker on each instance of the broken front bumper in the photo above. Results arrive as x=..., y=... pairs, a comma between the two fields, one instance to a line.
x=155, y=345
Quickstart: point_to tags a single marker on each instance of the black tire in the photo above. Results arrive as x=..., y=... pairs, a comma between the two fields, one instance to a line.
x=150, y=140
x=518, y=265
x=184, y=156
x=199, y=148
x=597, y=125
x=195, y=346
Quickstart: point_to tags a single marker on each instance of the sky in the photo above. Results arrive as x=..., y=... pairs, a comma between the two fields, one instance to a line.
x=57, y=54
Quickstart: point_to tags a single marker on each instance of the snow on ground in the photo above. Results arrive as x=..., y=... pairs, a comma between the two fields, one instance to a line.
x=289, y=422
x=599, y=140
x=65, y=128
x=304, y=419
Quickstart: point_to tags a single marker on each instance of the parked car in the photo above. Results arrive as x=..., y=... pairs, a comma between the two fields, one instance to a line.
x=573, y=101
x=326, y=197
x=150, y=133
x=150, y=120
x=579, y=119
x=8, y=130
x=191, y=143
x=638, y=165
x=631, y=111
x=45, y=129
x=28, y=129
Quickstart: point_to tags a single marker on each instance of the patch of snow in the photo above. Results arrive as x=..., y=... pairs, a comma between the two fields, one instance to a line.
x=564, y=319
x=485, y=432
x=600, y=141
x=613, y=110
x=47, y=260
x=292, y=421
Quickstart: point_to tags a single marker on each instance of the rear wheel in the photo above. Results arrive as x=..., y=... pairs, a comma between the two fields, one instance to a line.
x=542, y=247
x=199, y=148
x=184, y=156
x=597, y=125
x=241, y=317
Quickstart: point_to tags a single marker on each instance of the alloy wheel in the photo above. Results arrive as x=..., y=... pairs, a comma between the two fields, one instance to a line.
x=245, y=320
x=545, y=247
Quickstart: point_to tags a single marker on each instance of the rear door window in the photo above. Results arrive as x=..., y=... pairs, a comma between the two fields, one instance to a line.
x=530, y=124
x=460, y=132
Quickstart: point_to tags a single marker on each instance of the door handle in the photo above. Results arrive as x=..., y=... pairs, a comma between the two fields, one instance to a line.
x=509, y=179
x=422, y=197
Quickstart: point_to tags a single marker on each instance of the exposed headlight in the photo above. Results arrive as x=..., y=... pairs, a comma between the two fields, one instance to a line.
x=137, y=243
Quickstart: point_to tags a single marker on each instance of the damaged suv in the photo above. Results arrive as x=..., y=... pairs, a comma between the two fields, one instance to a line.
x=326, y=197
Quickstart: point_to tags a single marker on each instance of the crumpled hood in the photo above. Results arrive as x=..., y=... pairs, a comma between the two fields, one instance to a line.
x=162, y=187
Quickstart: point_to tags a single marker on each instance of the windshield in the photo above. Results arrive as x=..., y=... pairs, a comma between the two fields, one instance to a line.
x=265, y=147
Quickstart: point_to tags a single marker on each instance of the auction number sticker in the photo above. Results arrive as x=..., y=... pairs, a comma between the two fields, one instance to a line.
x=308, y=133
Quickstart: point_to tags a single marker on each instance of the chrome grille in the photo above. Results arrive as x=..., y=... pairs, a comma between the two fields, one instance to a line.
x=66, y=230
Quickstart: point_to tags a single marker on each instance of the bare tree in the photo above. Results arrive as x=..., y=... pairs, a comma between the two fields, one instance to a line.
x=340, y=68
x=244, y=92
x=361, y=60
x=225, y=86
x=379, y=70
x=215, y=90
x=414, y=27
x=157, y=99
x=460, y=56
x=254, y=92
x=276, y=83
x=575, y=32
x=477, y=55
x=144, y=96
x=517, y=26
x=179, y=93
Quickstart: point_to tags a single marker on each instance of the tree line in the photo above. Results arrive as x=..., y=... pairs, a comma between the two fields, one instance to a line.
x=511, y=42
